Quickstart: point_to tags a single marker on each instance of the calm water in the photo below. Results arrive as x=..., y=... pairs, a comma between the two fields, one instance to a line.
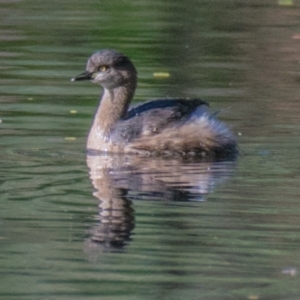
x=117, y=227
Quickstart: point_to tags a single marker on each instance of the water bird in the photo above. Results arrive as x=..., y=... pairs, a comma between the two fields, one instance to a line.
x=167, y=127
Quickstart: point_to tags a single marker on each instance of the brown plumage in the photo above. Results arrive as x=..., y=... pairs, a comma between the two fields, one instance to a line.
x=169, y=127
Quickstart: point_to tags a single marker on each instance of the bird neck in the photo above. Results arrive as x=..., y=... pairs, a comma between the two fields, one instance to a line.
x=113, y=107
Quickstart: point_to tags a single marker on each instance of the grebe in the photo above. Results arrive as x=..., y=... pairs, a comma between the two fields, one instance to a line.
x=168, y=127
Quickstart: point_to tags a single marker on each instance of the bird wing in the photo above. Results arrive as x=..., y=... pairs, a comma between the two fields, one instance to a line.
x=150, y=118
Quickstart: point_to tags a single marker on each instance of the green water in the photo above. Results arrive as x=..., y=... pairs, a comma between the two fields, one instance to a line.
x=127, y=228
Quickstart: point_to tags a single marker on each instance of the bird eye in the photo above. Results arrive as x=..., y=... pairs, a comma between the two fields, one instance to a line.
x=103, y=68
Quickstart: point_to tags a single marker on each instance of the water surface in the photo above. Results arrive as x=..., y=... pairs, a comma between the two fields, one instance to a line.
x=116, y=227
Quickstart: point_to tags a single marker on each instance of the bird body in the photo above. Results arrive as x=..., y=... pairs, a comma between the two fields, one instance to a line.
x=168, y=127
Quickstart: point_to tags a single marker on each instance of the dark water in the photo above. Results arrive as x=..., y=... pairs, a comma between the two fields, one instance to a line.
x=117, y=227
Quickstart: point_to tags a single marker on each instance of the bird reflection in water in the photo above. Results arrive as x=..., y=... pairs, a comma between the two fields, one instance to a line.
x=119, y=179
